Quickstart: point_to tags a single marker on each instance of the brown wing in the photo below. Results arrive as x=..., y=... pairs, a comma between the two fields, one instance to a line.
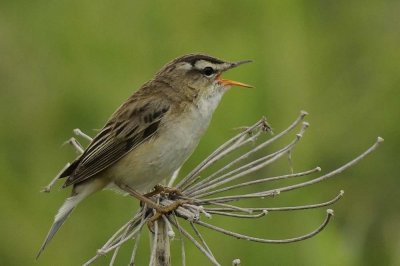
x=134, y=123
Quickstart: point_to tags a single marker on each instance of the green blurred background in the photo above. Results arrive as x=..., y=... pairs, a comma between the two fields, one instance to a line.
x=68, y=64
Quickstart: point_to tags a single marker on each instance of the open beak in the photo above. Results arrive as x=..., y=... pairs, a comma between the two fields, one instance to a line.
x=227, y=82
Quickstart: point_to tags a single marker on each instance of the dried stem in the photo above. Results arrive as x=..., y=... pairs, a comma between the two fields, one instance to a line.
x=247, y=168
x=207, y=162
x=256, y=182
x=200, y=247
x=223, y=150
x=134, y=250
x=79, y=133
x=195, y=190
x=163, y=256
x=292, y=208
x=183, y=253
x=48, y=188
x=201, y=239
x=270, y=241
x=154, y=248
x=236, y=262
x=75, y=144
x=224, y=213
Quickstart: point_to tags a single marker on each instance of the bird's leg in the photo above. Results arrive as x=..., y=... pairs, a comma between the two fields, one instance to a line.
x=152, y=204
x=158, y=189
x=164, y=210
x=142, y=198
x=172, y=190
x=160, y=210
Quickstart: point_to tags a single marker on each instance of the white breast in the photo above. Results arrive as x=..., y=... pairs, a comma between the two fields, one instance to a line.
x=158, y=158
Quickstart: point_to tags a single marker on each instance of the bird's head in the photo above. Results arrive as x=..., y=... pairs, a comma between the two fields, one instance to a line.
x=200, y=72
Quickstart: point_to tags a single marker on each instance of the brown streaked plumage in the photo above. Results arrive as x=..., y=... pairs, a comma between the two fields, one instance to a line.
x=134, y=123
x=151, y=134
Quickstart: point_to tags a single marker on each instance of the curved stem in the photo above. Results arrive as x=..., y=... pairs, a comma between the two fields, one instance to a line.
x=271, y=241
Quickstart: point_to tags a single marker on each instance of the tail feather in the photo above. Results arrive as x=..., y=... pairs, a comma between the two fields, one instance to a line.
x=79, y=193
x=53, y=230
x=62, y=215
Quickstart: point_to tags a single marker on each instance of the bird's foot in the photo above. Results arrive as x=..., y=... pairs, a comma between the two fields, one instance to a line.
x=159, y=189
x=160, y=210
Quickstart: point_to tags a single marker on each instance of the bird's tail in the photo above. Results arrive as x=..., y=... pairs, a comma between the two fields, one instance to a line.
x=63, y=213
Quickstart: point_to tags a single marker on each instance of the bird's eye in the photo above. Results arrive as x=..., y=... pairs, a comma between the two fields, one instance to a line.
x=208, y=71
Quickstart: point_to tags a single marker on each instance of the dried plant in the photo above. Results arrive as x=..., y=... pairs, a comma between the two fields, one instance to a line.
x=203, y=195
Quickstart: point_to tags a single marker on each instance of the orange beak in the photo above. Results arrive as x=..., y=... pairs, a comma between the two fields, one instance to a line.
x=228, y=82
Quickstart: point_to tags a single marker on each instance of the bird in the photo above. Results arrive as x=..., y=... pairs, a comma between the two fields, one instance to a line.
x=150, y=135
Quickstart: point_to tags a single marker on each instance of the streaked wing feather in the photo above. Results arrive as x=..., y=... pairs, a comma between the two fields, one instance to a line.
x=124, y=132
x=102, y=160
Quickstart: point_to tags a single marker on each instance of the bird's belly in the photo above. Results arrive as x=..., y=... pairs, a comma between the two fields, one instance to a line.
x=149, y=163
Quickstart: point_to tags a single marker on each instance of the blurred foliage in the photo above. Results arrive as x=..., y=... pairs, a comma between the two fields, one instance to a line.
x=68, y=64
